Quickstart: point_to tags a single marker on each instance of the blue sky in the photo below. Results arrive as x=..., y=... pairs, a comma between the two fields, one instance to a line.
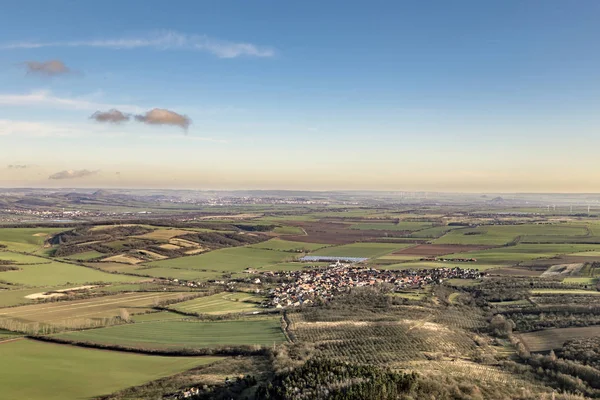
x=433, y=95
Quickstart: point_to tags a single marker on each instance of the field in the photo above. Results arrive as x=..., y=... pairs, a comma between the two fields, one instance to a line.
x=565, y=291
x=44, y=371
x=54, y=273
x=503, y=234
x=26, y=239
x=185, y=334
x=369, y=250
x=554, y=338
x=221, y=303
x=88, y=255
x=390, y=226
x=234, y=259
x=286, y=245
x=523, y=252
x=66, y=312
x=433, y=250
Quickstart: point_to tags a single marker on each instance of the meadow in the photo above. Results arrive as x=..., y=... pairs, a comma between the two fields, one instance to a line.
x=26, y=239
x=45, y=371
x=78, y=311
x=221, y=303
x=392, y=226
x=234, y=259
x=287, y=245
x=54, y=273
x=503, y=234
x=185, y=334
x=368, y=250
x=523, y=252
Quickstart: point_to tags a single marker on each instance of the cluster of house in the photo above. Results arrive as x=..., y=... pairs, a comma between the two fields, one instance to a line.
x=460, y=260
x=305, y=287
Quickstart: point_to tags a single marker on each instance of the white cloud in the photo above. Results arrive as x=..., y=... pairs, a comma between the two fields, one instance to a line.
x=46, y=98
x=167, y=40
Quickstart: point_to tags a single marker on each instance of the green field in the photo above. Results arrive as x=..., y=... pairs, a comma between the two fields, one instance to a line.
x=523, y=252
x=391, y=226
x=234, y=259
x=289, y=230
x=503, y=234
x=433, y=232
x=19, y=258
x=45, y=371
x=179, y=273
x=370, y=250
x=26, y=239
x=13, y=297
x=221, y=303
x=57, y=273
x=287, y=245
x=435, y=264
x=185, y=334
x=565, y=291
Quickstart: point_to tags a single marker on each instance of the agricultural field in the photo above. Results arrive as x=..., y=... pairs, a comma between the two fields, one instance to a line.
x=65, y=372
x=26, y=239
x=54, y=273
x=87, y=311
x=522, y=252
x=286, y=245
x=392, y=226
x=185, y=334
x=221, y=303
x=504, y=234
x=549, y=339
x=85, y=256
x=234, y=259
x=368, y=250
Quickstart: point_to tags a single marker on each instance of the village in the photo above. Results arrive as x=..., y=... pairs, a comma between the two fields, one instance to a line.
x=307, y=287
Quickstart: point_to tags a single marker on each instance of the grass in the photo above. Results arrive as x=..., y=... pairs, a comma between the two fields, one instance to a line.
x=294, y=266
x=157, y=316
x=63, y=312
x=369, y=250
x=453, y=297
x=164, y=234
x=288, y=230
x=582, y=281
x=45, y=371
x=221, y=303
x=13, y=297
x=26, y=239
x=180, y=273
x=554, y=338
x=390, y=226
x=185, y=334
x=19, y=258
x=57, y=273
x=503, y=234
x=434, y=232
x=522, y=252
x=234, y=259
x=287, y=245
x=435, y=264
x=565, y=291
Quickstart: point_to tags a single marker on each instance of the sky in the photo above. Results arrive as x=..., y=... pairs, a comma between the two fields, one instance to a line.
x=462, y=96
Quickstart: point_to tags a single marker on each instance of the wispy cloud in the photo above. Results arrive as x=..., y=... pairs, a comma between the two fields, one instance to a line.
x=46, y=98
x=71, y=174
x=166, y=40
x=46, y=68
x=18, y=166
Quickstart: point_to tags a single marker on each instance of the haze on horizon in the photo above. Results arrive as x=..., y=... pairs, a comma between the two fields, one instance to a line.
x=460, y=96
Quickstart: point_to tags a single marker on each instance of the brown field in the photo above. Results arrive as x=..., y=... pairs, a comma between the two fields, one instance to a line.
x=554, y=338
x=163, y=234
x=183, y=243
x=515, y=271
x=434, y=250
x=169, y=247
x=122, y=258
x=339, y=233
x=152, y=254
x=98, y=307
